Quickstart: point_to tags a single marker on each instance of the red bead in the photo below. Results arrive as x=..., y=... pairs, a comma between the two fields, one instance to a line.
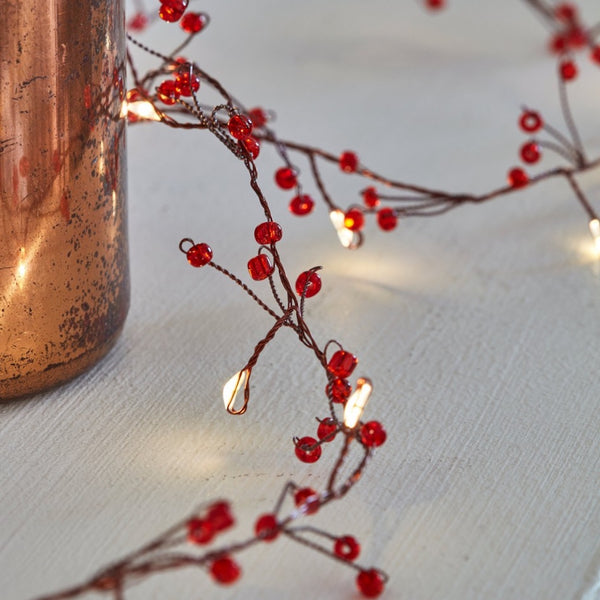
x=370, y=583
x=568, y=70
x=348, y=162
x=308, y=284
x=530, y=152
x=387, y=219
x=577, y=38
x=338, y=390
x=200, y=531
x=558, y=43
x=370, y=197
x=167, y=92
x=286, y=178
x=346, y=547
x=268, y=232
x=240, y=126
x=595, y=54
x=435, y=4
x=327, y=430
x=266, y=527
x=225, y=570
x=138, y=22
x=517, y=178
x=199, y=255
x=186, y=81
x=372, y=434
x=307, y=450
x=220, y=517
x=565, y=12
x=308, y=498
x=258, y=116
x=172, y=10
x=193, y=22
x=354, y=219
x=342, y=363
x=301, y=205
x=252, y=146
x=530, y=121
x=260, y=267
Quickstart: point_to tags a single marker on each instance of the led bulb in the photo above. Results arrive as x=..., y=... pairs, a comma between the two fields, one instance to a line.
x=348, y=239
x=355, y=405
x=232, y=389
x=594, y=226
x=141, y=109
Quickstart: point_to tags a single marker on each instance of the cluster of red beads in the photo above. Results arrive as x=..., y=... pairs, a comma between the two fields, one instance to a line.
x=240, y=127
x=218, y=518
x=572, y=35
x=172, y=10
x=186, y=81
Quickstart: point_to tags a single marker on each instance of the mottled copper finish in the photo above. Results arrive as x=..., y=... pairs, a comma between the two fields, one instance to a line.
x=64, y=279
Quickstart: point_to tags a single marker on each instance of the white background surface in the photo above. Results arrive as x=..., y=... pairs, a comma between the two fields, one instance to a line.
x=480, y=329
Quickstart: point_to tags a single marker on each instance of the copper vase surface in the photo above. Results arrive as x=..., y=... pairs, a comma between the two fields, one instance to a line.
x=64, y=278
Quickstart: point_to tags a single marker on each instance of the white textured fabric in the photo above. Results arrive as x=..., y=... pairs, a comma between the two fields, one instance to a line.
x=480, y=328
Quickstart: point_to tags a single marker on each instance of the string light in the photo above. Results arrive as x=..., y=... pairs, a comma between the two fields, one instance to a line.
x=232, y=389
x=357, y=402
x=348, y=239
x=594, y=226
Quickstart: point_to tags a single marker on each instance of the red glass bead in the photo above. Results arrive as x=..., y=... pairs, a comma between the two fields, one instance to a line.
x=308, y=284
x=370, y=583
x=387, y=219
x=172, y=10
x=258, y=116
x=186, y=81
x=252, y=146
x=225, y=570
x=565, y=12
x=268, y=232
x=193, y=22
x=338, y=390
x=240, y=126
x=568, y=70
x=373, y=434
x=530, y=152
x=266, y=527
x=308, y=498
x=327, y=430
x=577, y=38
x=595, y=54
x=199, y=255
x=435, y=4
x=354, y=219
x=517, y=178
x=200, y=531
x=138, y=22
x=370, y=197
x=167, y=92
x=558, y=43
x=342, y=363
x=220, y=517
x=260, y=267
x=307, y=450
x=346, y=547
x=286, y=178
x=301, y=205
x=530, y=121
x=348, y=162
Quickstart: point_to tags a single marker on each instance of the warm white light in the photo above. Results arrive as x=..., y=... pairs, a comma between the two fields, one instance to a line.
x=348, y=239
x=594, y=225
x=232, y=389
x=140, y=109
x=22, y=266
x=355, y=405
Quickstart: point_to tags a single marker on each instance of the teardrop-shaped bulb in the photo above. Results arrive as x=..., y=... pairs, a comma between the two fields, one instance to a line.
x=355, y=405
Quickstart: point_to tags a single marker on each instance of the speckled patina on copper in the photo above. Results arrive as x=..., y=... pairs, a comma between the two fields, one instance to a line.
x=64, y=280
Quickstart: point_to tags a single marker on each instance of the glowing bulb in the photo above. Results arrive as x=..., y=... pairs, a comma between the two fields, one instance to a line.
x=594, y=225
x=21, y=267
x=348, y=239
x=232, y=389
x=355, y=405
x=140, y=110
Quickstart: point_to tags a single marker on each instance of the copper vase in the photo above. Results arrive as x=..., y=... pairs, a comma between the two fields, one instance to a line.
x=64, y=279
